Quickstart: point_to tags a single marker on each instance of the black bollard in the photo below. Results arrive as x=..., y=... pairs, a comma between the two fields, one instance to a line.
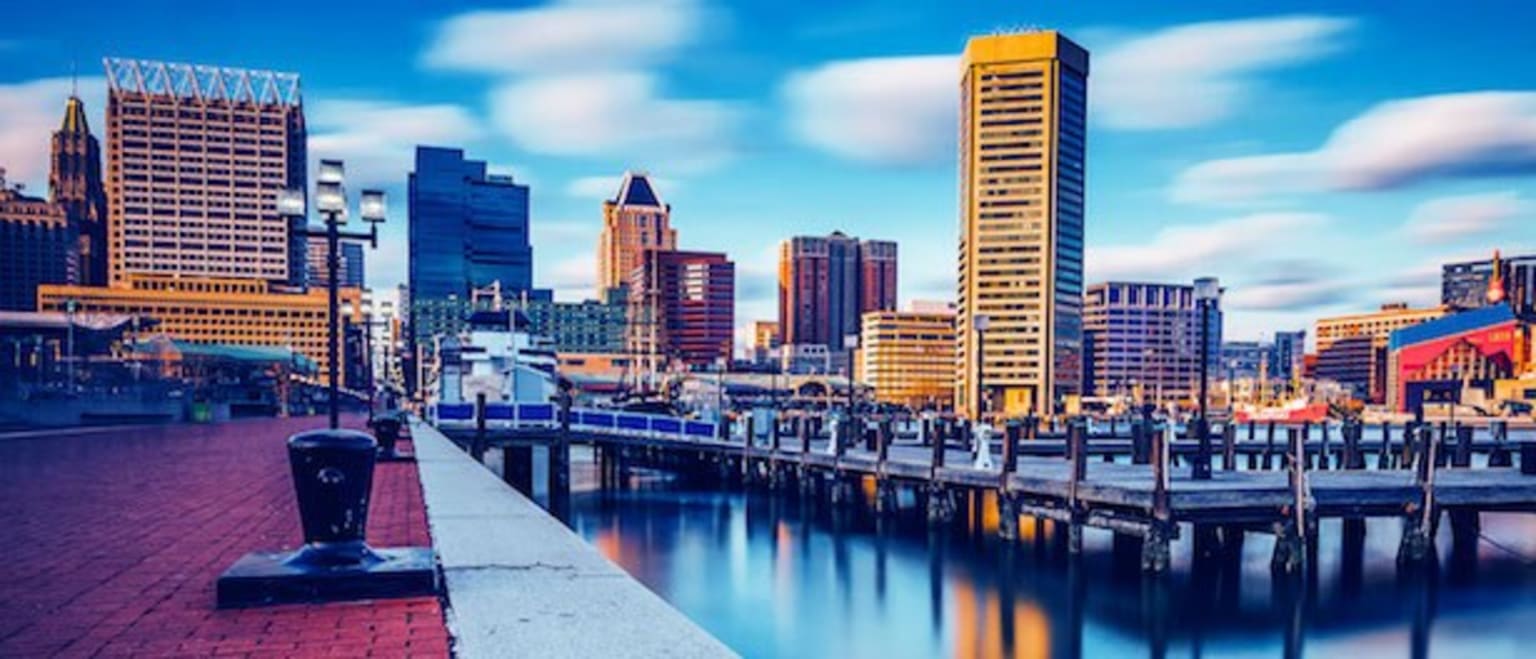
x=332, y=477
x=386, y=429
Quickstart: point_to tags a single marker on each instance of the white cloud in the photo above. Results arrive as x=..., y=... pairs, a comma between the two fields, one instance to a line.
x=564, y=36
x=1391, y=145
x=1306, y=291
x=377, y=139
x=606, y=187
x=573, y=278
x=613, y=114
x=1194, y=74
x=29, y=114
x=889, y=111
x=1185, y=251
x=1466, y=216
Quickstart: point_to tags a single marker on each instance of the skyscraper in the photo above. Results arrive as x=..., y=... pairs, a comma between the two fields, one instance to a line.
x=349, y=271
x=1023, y=112
x=38, y=245
x=195, y=158
x=468, y=230
x=682, y=309
x=74, y=182
x=634, y=221
x=1145, y=338
x=827, y=283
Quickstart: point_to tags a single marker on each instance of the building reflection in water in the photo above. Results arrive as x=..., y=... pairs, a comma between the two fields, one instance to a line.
x=781, y=575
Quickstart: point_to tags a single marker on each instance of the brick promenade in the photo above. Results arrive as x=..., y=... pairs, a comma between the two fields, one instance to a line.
x=112, y=542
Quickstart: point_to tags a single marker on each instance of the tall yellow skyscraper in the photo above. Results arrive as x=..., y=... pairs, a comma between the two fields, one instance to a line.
x=1023, y=102
x=634, y=221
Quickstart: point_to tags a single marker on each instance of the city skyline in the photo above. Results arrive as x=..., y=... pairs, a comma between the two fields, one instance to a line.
x=1163, y=183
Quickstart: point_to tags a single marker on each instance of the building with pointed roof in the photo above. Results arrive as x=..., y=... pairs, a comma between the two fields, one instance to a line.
x=75, y=183
x=635, y=221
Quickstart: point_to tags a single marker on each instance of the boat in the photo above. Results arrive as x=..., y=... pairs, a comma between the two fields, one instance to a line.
x=498, y=357
x=1296, y=410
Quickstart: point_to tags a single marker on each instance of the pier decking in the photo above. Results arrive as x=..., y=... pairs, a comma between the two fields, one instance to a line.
x=1282, y=483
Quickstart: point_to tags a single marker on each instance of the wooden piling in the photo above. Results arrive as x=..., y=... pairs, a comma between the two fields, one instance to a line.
x=1290, y=533
x=1155, y=551
x=1077, y=452
x=1229, y=447
x=1417, y=543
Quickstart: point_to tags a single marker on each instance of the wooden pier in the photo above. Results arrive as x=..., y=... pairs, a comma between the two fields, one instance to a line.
x=1272, y=479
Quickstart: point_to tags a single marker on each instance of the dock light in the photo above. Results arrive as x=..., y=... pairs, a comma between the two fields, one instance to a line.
x=331, y=199
x=371, y=206
x=290, y=203
x=331, y=171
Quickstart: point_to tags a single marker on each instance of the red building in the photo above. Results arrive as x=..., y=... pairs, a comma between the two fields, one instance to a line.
x=682, y=309
x=1432, y=360
x=826, y=283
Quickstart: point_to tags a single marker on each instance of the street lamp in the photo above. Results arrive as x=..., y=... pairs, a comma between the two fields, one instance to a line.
x=980, y=322
x=1207, y=294
x=331, y=202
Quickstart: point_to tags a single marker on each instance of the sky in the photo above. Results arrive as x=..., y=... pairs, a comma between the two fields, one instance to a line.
x=1318, y=157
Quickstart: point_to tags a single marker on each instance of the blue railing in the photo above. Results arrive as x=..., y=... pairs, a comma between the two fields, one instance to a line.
x=543, y=416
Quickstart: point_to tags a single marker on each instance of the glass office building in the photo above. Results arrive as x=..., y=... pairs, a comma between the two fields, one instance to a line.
x=468, y=230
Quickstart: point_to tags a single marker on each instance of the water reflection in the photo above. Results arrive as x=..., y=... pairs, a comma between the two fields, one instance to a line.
x=788, y=576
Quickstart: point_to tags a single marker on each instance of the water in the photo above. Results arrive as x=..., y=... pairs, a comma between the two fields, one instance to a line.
x=776, y=576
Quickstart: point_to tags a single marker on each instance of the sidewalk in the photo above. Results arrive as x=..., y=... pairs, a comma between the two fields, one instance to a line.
x=113, y=541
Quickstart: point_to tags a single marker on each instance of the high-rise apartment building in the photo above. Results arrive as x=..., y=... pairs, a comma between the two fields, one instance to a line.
x=1352, y=350
x=38, y=245
x=908, y=357
x=1472, y=284
x=634, y=221
x=75, y=183
x=682, y=310
x=349, y=270
x=195, y=158
x=468, y=231
x=1144, y=340
x=1023, y=116
x=827, y=283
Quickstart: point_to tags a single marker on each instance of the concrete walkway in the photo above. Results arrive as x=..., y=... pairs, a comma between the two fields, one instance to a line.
x=520, y=584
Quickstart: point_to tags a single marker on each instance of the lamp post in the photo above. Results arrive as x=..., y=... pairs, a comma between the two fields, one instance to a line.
x=1207, y=293
x=980, y=322
x=331, y=202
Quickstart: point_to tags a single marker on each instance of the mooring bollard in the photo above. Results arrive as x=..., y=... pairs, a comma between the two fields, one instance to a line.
x=333, y=478
x=386, y=429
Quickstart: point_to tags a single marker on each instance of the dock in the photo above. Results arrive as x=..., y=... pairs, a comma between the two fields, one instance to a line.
x=1279, y=480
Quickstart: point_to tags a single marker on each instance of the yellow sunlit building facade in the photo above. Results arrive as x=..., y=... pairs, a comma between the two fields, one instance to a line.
x=227, y=311
x=1022, y=153
x=908, y=357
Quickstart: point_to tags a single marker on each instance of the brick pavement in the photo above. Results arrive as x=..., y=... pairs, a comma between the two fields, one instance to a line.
x=112, y=542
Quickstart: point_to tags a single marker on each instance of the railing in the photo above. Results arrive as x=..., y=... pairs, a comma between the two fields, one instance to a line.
x=546, y=416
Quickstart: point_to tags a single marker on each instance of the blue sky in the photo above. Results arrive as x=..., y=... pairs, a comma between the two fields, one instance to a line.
x=1319, y=157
